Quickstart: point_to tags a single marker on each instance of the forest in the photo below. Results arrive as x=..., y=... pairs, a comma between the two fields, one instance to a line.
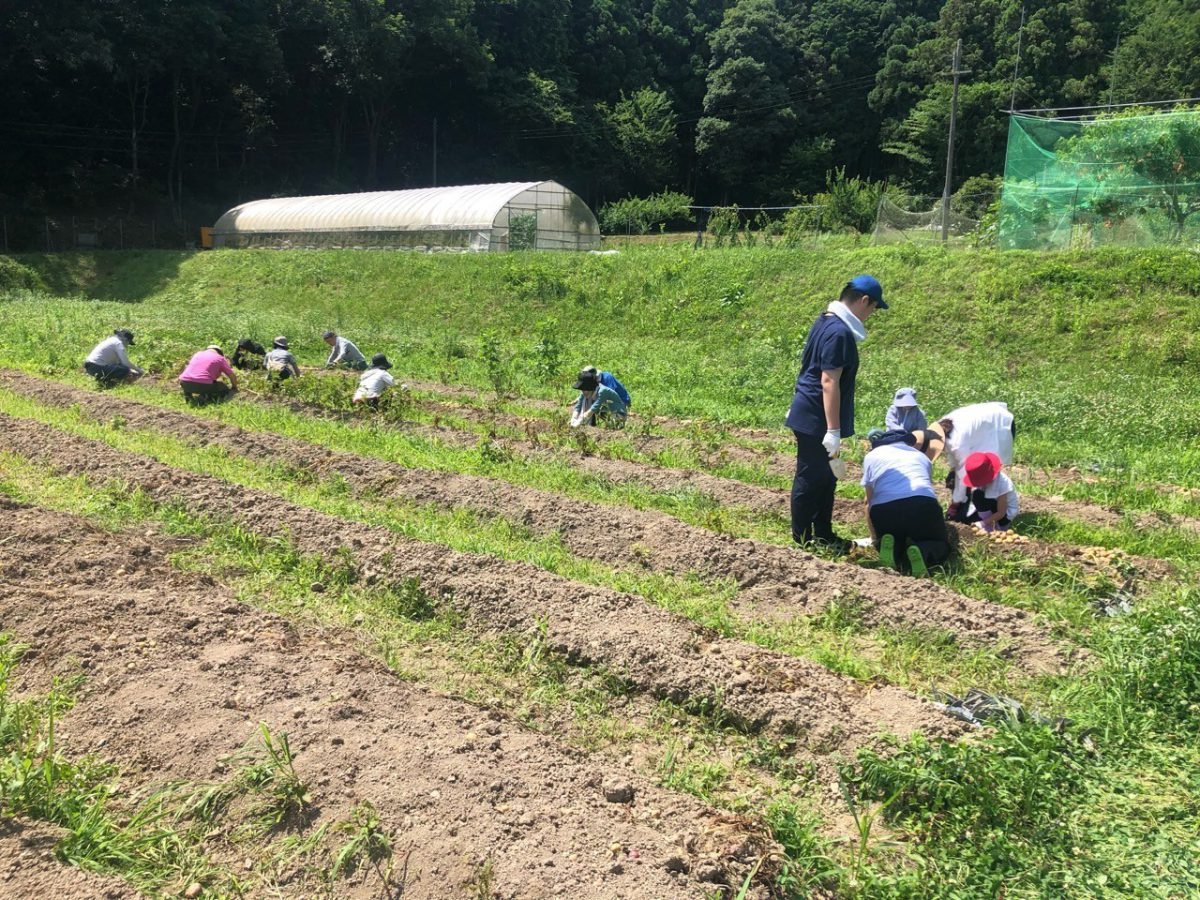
x=187, y=107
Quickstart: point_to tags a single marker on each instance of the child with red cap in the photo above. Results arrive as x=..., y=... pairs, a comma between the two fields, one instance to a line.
x=993, y=498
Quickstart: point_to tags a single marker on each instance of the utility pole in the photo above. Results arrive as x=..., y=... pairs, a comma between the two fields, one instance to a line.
x=1112, y=78
x=435, y=151
x=1012, y=103
x=955, y=71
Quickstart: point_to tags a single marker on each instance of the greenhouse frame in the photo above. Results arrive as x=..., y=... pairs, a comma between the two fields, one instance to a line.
x=535, y=215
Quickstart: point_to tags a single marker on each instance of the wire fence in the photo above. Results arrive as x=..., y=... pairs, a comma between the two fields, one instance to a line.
x=58, y=233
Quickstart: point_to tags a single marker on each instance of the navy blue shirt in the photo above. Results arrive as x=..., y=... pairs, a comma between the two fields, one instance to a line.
x=830, y=345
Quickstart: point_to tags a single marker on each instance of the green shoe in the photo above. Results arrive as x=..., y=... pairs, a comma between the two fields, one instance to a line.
x=917, y=561
x=887, y=551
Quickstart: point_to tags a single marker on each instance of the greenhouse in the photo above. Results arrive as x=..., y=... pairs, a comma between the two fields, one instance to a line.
x=537, y=215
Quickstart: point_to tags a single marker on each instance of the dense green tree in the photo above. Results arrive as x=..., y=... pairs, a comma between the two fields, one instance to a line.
x=194, y=105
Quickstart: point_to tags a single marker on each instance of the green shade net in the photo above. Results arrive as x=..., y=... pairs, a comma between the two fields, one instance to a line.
x=1130, y=177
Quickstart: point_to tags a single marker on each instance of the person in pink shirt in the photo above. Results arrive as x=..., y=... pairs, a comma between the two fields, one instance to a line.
x=201, y=380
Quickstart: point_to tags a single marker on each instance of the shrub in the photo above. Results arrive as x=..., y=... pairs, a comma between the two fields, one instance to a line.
x=641, y=215
x=846, y=204
x=16, y=277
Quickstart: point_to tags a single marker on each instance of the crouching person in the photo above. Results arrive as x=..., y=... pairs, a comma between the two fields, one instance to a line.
x=906, y=521
x=597, y=404
x=201, y=379
x=373, y=382
x=109, y=363
x=279, y=362
x=992, y=499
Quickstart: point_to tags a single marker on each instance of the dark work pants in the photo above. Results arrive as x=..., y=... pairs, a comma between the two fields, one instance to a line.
x=204, y=391
x=812, y=491
x=914, y=520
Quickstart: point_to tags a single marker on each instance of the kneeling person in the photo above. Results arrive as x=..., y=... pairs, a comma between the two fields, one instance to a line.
x=279, y=361
x=373, y=382
x=201, y=379
x=903, y=512
x=993, y=500
x=108, y=362
x=597, y=404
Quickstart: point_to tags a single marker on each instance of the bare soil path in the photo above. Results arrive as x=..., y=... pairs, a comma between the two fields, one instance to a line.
x=657, y=652
x=776, y=582
x=178, y=674
x=29, y=868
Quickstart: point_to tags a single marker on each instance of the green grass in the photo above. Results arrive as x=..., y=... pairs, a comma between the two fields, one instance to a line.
x=1095, y=352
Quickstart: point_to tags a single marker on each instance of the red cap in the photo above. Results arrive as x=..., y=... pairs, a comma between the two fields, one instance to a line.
x=982, y=468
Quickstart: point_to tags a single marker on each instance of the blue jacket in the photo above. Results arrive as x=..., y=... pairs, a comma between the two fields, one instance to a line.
x=608, y=379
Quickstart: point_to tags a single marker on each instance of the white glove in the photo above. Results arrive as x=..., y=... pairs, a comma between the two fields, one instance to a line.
x=832, y=442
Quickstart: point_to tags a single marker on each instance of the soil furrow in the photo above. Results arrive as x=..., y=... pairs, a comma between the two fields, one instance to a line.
x=657, y=652
x=775, y=582
x=29, y=867
x=178, y=674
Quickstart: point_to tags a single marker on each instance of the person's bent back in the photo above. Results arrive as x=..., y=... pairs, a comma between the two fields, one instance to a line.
x=108, y=362
x=201, y=378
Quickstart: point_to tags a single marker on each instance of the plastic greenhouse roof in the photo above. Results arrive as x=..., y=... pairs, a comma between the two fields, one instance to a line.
x=445, y=208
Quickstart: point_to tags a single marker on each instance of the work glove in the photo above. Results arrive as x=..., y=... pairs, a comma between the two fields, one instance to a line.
x=832, y=442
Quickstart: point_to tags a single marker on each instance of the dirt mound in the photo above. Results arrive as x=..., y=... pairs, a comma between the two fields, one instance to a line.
x=776, y=582
x=30, y=869
x=179, y=674
x=655, y=651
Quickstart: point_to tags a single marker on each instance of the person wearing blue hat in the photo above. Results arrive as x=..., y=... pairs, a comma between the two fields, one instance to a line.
x=822, y=410
x=904, y=414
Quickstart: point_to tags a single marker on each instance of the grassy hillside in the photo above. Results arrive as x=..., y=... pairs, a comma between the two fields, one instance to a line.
x=1096, y=353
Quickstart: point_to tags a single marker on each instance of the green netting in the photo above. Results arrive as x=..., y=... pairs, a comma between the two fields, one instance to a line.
x=1128, y=177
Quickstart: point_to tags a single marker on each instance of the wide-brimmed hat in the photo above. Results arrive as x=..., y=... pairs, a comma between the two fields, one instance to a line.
x=281, y=342
x=379, y=361
x=905, y=397
x=981, y=469
x=125, y=335
x=216, y=347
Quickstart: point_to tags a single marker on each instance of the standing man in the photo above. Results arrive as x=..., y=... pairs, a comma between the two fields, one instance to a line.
x=343, y=353
x=822, y=410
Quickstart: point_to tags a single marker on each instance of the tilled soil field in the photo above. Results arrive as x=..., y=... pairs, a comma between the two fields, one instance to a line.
x=776, y=582
x=30, y=868
x=657, y=652
x=178, y=674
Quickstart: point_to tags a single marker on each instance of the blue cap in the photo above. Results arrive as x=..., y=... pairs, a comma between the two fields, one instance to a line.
x=869, y=286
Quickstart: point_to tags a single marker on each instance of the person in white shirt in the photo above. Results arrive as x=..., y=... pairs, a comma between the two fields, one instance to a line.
x=108, y=362
x=903, y=513
x=992, y=503
x=978, y=428
x=373, y=382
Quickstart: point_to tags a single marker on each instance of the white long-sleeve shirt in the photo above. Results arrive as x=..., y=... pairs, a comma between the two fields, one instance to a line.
x=344, y=351
x=978, y=428
x=372, y=383
x=110, y=352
